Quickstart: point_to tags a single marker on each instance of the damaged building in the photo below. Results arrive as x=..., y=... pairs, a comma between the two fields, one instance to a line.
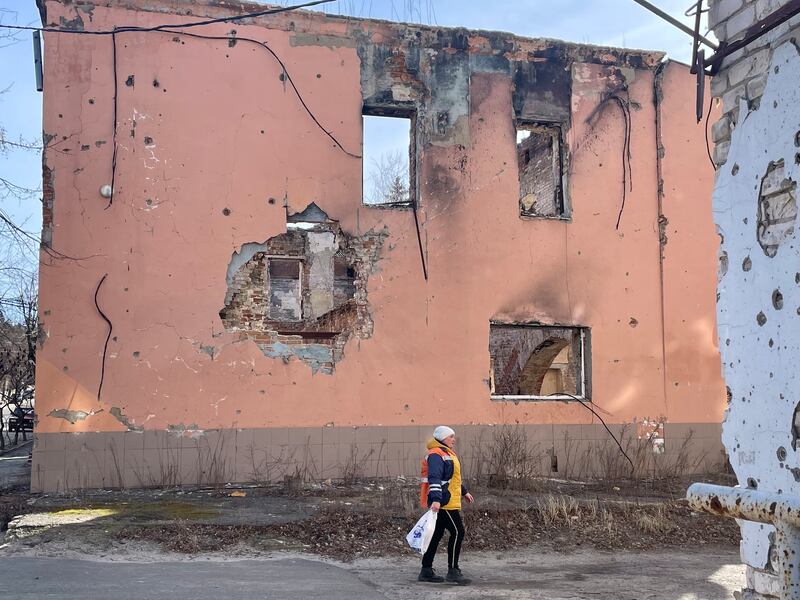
x=223, y=300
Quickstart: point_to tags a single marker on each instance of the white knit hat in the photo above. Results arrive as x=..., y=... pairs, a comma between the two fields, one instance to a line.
x=442, y=431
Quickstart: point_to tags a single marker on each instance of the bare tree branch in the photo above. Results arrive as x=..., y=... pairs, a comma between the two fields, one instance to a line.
x=388, y=180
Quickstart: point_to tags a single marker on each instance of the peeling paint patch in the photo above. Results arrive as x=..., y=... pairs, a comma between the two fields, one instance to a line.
x=316, y=356
x=190, y=431
x=48, y=199
x=75, y=24
x=330, y=41
x=117, y=413
x=73, y=416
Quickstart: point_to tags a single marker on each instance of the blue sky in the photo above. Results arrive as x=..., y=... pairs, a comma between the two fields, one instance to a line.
x=606, y=22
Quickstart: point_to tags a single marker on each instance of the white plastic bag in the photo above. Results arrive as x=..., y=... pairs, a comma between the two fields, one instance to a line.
x=420, y=535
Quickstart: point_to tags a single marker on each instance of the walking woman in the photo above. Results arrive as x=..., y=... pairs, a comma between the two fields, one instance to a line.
x=442, y=490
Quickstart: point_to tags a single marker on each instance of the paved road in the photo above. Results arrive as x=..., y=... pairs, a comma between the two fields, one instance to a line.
x=696, y=573
x=520, y=575
x=15, y=470
x=283, y=579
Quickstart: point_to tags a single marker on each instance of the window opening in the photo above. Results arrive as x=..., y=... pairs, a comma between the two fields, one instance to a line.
x=538, y=362
x=539, y=158
x=388, y=159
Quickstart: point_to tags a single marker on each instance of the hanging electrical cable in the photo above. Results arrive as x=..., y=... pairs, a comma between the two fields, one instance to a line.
x=114, y=131
x=174, y=29
x=108, y=337
x=285, y=73
x=627, y=181
x=708, y=145
x=587, y=406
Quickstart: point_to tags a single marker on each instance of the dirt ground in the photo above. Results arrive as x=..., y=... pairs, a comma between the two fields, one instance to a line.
x=359, y=521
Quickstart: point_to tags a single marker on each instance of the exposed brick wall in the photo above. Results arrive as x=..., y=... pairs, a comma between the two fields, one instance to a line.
x=253, y=302
x=743, y=75
x=48, y=198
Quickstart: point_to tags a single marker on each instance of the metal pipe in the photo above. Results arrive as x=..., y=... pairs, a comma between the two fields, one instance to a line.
x=698, y=12
x=37, y=61
x=744, y=503
x=779, y=510
x=767, y=24
x=787, y=541
x=673, y=21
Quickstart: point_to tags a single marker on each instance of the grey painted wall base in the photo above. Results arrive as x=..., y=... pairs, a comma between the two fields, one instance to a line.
x=134, y=459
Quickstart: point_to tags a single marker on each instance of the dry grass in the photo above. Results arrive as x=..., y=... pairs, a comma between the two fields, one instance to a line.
x=509, y=460
x=556, y=521
x=654, y=521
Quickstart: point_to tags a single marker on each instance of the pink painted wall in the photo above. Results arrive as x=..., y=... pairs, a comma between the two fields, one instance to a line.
x=694, y=383
x=227, y=133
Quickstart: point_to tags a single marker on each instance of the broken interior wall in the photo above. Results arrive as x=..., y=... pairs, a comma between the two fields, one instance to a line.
x=302, y=293
x=209, y=165
x=755, y=206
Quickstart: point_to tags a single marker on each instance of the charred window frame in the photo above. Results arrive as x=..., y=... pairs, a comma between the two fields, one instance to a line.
x=408, y=113
x=541, y=168
x=523, y=355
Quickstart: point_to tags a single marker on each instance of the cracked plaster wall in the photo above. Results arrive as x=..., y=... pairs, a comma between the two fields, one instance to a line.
x=207, y=158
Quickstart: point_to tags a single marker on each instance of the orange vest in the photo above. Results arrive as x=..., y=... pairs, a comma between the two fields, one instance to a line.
x=424, y=486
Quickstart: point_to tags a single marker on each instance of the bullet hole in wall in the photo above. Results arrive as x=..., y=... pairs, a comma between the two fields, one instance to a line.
x=781, y=454
x=777, y=300
x=777, y=208
x=795, y=426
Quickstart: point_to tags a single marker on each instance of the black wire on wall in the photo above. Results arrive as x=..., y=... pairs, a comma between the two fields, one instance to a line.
x=108, y=337
x=114, y=132
x=587, y=406
x=173, y=29
x=231, y=19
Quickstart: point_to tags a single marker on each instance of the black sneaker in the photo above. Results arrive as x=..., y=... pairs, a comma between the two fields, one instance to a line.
x=429, y=575
x=455, y=576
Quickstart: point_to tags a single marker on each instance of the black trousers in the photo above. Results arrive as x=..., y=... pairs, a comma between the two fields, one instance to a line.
x=449, y=520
